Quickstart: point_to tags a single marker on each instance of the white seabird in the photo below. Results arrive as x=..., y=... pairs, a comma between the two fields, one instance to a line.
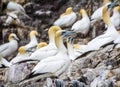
x=55, y=64
x=66, y=19
x=82, y=25
x=9, y=48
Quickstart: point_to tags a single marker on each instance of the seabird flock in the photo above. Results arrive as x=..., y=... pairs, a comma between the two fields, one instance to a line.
x=55, y=58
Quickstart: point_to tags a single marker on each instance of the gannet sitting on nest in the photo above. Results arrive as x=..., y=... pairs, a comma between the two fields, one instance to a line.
x=66, y=19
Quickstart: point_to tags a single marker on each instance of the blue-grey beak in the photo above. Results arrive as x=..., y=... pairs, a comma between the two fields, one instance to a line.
x=113, y=4
x=69, y=33
x=70, y=39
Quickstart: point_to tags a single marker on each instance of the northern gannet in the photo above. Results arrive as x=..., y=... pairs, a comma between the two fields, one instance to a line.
x=33, y=40
x=97, y=14
x=48, y=50
x=66, y=19
x=14, y=6
x=9, y=48
x=82, y=25
x=57, y=64
x=22, y=54
x=12, y=19
x=110, y=35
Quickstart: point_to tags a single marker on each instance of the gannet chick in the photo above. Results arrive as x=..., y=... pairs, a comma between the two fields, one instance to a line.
x=48, y=50
x=22, y=55
x=33, y=40
x=66, y=19
x=14, y=6
x=9, y=48
x=97, y=15
x=12, y=19
x=82, y=25
x=56, y=64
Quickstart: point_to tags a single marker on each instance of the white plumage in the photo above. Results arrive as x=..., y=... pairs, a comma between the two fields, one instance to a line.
x=82, y=25
x=8, y=48
x=66, y=19
x=48, y=50
x=55, y=64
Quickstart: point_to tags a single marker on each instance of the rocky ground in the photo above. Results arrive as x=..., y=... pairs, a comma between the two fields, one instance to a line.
x=102, y=66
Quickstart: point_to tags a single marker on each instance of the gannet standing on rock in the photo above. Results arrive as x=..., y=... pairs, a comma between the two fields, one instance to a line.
x=55, y=65
x=33, y=40
x=14, y=6
x=110, y=35
x=48, y=50
x=97, y=15
x=9, y=48
x=82, y=25
x=66, y=19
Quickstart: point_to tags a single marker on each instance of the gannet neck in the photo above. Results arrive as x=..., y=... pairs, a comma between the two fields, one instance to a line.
x=70, y=50
x=59, y=41
x=33, y=39
x=84, y=13
x=51, y=33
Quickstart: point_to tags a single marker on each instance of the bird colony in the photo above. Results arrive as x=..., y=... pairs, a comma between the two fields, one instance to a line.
x=62, y=61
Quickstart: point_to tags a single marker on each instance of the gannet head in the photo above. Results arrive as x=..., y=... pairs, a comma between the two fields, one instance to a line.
x=22, y=50
x=68, y=10
x=83, y=12
x=41, y=44
x=13, y=37
x=117, y=8
x=53, y=30
x=33, y=33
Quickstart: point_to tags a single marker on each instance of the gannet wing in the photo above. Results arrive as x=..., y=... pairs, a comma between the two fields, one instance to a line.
x=3, y=47
x=48, y=67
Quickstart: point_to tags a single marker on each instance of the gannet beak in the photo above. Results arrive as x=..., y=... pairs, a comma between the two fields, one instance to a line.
x=28, y=50
x=113, y=4
x=38, y=36
x=70, y=39
x=16, y=38
x=69, y=33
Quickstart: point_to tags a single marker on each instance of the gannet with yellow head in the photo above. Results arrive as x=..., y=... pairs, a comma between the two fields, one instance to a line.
x=22, y=55
x=9, y=48
x=109, y=36
x=66, y=19
x=82, y=25
x=33, y=40
x=97, y=14
x=56, y=64
x=48, y=50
